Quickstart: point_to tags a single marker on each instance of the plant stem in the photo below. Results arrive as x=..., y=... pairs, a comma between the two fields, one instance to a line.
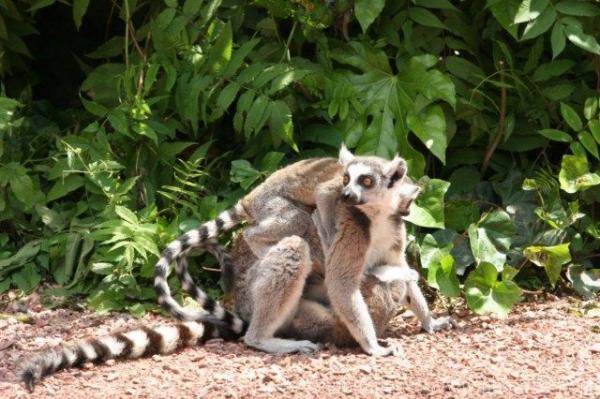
x=127, y=16
x=501, y=122
x=286, y=50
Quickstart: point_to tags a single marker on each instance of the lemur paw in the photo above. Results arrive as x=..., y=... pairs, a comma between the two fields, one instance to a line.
x=440, y=323
x=385, y=348
x=308, y=347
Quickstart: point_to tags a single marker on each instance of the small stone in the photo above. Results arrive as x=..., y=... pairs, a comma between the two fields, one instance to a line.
x=110, y=362
x=595, y=348
x=157, y=358
x=365, y=369
x=111, y=377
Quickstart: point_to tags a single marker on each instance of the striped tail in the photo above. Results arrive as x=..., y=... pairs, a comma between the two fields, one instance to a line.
x=197, y=238
x=218, y=314
x=140, y=342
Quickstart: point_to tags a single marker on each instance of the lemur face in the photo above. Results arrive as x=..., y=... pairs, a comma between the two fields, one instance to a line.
x=367, y=178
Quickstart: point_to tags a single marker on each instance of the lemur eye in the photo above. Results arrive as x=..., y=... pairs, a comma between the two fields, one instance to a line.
x=367, y=182
x=346, y=180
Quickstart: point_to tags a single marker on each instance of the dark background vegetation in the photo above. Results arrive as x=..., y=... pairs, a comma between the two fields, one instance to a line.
x=125, y=123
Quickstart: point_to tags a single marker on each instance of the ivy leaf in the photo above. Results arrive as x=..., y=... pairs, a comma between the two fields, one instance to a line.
x=430, y=127
x=442, y=275
x=366, y=11
x=585, y=281
x=574, y=174
x=550, y=258
x=571, y=117
x=431, y=250
x=490, y=238
x=485, y=294
x=428, y=209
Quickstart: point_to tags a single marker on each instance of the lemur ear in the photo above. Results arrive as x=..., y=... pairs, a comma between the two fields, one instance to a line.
x=397, y=164
x=395, y=169
x=345, y=155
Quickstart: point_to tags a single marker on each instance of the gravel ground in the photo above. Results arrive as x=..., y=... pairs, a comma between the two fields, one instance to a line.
x=542, y=350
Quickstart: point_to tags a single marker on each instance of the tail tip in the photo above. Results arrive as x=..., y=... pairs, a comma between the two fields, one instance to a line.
x=29, y=379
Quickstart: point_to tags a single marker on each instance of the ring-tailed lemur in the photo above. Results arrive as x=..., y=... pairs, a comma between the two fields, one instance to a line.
x=279, y=207
x=269, y=202
x=366, y=234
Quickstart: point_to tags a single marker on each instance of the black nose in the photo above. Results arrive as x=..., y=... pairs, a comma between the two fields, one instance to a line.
x=346, y=196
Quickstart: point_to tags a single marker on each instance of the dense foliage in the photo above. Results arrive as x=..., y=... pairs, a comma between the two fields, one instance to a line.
x=125, y=123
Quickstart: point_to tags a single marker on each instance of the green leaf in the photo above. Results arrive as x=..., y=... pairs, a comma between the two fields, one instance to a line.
x=571, y=117
x=367, y=11
x=574, y=174
x=22, y=188
x=112, y=48
x=439, y=4
x=585, y=281
x=460, y=214
x=556, y=135
x=530, y=10
x=270, y=162
x=431, y=251
x=424, y=17
x=582, y=40
x=428, y=209
x=244, y=173
x=588, y=142
x=23, y=255
x=490, y=238
x=64, y=186
x=79, y=9
x=126, y=214
x=227, y=95
x=256, y=115
x=220, y=53
x=558, y=40
x=578, y=8
x=540, y=25
x=594, y=126
x=442, y=275
x=485, y=294
x=280, y=123
x=550, y=258
x=430, y=127
x=27, y=278
x=552, y=69
x=590, y=107
x=37, y=4
x=3, y=30
x=504, y=11
x=54, y=220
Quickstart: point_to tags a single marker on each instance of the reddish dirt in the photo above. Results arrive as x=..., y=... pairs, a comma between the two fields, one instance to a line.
x=541, y=350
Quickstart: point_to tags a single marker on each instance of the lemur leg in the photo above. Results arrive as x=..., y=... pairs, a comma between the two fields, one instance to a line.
x=291, y=220
x=276, y=291
x=415, y=301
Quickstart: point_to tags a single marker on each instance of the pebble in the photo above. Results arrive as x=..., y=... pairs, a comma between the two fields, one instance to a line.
x=595, y=348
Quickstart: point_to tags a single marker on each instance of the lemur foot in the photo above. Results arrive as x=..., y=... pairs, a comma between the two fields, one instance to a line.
x=440, y=323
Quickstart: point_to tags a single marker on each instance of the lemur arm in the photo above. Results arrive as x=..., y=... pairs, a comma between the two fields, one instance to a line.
x=327, y=198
